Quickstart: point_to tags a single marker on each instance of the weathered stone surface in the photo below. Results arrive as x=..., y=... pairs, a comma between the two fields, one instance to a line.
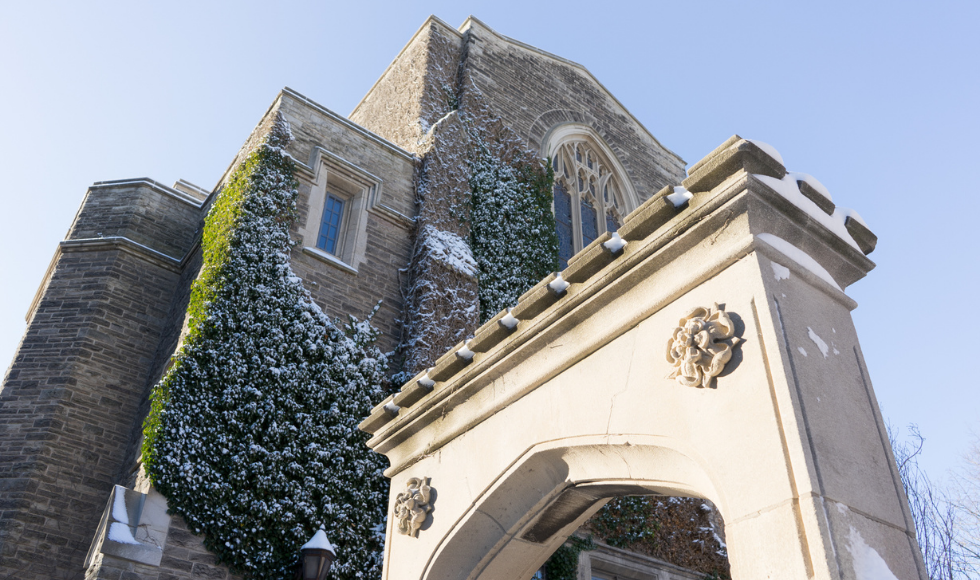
x=70, y=401
x=535, y=92
x=416, y=90
x=184, y=558
x=734, y=155
x=861, y=234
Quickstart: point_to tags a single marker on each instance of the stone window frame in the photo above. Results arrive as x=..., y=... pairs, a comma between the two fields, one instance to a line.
x=575, y=151
x=357, y=188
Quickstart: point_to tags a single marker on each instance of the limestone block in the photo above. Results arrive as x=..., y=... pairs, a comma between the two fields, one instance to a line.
x=134, y=527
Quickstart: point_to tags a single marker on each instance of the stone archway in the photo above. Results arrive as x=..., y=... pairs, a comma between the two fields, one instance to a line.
x=513, y=528
x=568, y=399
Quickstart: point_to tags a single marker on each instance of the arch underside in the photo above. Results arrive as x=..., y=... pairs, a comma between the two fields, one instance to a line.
x=509, y=532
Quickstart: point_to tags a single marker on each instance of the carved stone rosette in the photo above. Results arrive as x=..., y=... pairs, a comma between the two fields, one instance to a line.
x=701, y=346
x=412, y=505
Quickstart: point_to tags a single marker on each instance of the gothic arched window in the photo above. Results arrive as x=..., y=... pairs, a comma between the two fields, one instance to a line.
x=591, y=195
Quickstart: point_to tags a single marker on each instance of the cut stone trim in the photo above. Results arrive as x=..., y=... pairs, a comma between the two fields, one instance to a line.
x=124, y=244
x=574, y=418
x=360, y=191
x=651, y=231
x=329, y=259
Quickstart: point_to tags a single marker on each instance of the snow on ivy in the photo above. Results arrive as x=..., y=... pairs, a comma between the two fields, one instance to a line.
x=253, y=434
x=450, y=249
x=481, y=197
x=512, y=228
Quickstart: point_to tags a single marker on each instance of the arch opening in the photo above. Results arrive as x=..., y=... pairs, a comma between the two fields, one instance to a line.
x=530, y=511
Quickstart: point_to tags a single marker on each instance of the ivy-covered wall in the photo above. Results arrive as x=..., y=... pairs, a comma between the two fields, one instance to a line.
x=485, y=231
x=252, y=436
x=513, y=234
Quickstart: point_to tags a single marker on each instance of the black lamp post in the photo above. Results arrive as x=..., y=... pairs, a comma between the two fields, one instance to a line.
x=316, y=556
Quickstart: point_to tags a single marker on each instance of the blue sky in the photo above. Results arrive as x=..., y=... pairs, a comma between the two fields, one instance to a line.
x=879, y=101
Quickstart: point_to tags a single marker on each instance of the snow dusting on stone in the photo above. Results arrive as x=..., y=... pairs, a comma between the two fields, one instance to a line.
x=426, y=382
x=824, y=349
x=868, y=564
x=800, y=257
x=119, y=511
x=122, y=533
x=615, y=244
x=779, y=271
x=450, y=249
x=850, y=213
x=769, y=149
x=811, y=181
x=680, y=196
x=788, y=188
x=509, y=321
x=802, y=350
x=558, y=285
x=465, y=352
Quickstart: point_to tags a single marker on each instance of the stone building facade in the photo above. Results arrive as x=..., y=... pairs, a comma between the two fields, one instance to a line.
x=110, y=311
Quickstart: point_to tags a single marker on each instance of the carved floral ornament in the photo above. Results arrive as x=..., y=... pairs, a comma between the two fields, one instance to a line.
x=701, y=346
x=412, y=505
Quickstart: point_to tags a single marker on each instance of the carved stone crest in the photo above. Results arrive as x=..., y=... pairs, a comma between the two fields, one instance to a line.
x=701, y=346
x=412, y=505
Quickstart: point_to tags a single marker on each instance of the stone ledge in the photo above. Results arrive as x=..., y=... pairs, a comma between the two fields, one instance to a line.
x=125, y=244
x=329, y=259
x=154, y=185
x=104, y=244
x=733, y=155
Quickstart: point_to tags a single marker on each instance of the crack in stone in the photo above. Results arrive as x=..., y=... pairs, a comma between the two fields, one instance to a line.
x=629, y=370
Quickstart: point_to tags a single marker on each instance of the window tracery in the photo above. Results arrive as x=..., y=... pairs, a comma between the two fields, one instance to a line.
x=589, y=196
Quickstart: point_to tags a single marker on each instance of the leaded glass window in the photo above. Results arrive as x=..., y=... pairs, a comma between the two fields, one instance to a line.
x=563, y=221
x=590, y=230
x=589, y=195
x=333, y=216
x=612, y=221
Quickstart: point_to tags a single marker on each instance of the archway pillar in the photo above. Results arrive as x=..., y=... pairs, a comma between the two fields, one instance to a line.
x=578, y=404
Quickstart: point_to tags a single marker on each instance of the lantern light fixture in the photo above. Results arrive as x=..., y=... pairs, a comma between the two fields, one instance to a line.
x=316, y=556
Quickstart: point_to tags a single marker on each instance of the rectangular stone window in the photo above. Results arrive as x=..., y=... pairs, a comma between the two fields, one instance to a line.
x=341, y=194
x=330, y=226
